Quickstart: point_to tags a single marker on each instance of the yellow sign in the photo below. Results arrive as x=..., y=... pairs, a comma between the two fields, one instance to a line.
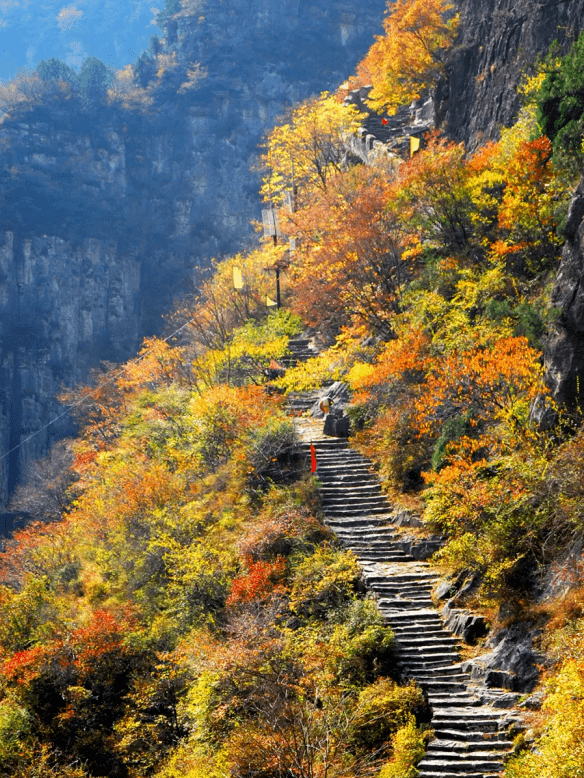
x=270, y=302
x=414, y=145
x=237, y=278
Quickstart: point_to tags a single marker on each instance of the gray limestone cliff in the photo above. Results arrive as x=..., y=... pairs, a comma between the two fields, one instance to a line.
x=564, y=352
x=498, y=43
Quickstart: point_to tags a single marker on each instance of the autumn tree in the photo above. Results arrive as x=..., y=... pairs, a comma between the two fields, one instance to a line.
x=409, y=58
x=561, y=102
x=349, y=264
x=305, y=152
x=434, y=196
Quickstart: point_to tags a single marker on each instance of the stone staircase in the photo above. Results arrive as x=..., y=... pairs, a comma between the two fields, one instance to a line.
x=300, y=349
x=472, y=735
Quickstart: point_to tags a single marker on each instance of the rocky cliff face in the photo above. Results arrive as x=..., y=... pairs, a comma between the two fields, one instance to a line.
x=107, y=214
x=62, y=307
x=498, y=43
x=564, y=353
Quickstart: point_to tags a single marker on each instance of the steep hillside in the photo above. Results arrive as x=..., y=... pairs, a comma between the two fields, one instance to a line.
x=146, y=188
x=108, y=212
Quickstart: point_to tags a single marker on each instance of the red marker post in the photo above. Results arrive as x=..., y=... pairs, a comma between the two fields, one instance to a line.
x=313, y=463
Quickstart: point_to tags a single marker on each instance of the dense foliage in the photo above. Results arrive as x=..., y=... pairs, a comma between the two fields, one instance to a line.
x=188, y=614
x=561, y=102
x=409, y=58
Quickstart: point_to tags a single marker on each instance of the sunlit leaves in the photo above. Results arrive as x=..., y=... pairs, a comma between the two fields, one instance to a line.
x=409, y=57
x=495, y=383
x=560, y=751
x=308, y=151
x=349, y=266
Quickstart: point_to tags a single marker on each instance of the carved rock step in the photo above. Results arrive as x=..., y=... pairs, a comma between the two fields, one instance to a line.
x=387, y=592
x=441, y=765
x=472, y=746
x=425, y=642
x=355, y=520
x=361, y=490
x=470, y=741
x=335, y=454
x=373, y=553
x=381, y=536
x=429, y=773
x=379, y=546
x=378, y=532
x=436, y=661
x=342, y=476
x=453, y=700
x=471, y=719
x=364, y=503
x=345, y=479
x=424, y=577
x=468, y=738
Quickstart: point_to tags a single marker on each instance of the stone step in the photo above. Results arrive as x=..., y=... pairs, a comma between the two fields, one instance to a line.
x=430, y=772
x=453, y=700
x=468, y=736
x=470, y=741
x=356, y=520
x=345, y=480
x=379, y=534
x=331, y=504
x=425, y=642
x=450, y=674
x=472, y=746
x=353, y=492
x=441, y=721
x=423, y=577
x=441, y=774
x=373, y=555
x=461, y=766
x=443, y=688
x=427, y=661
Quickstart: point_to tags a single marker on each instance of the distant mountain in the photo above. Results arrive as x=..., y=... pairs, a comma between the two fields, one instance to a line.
x=115, y=31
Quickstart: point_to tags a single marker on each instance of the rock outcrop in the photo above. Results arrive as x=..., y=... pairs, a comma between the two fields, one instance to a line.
x=564, y=353
x=498, y=43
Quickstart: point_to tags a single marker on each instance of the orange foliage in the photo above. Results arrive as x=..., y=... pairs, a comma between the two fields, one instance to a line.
x=38, y=550
x=88, y=651
x=485, y=382
x=260, y=581
x=434, y=194
x=408, y=59
x=404, y=359
x=349, y=259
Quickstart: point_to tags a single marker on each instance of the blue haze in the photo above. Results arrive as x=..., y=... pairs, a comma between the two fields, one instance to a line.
x=115, y=31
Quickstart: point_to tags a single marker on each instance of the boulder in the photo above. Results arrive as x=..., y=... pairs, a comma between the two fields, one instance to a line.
x=512, y=662
x=338, y=392
x=469, y=626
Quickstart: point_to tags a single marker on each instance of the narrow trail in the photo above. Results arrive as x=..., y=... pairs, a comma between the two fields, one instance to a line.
x=471, y=736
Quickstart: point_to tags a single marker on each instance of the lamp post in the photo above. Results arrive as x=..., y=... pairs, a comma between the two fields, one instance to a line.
x=272, y=230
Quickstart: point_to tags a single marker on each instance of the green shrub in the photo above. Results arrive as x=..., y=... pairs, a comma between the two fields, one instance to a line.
x=561, y=102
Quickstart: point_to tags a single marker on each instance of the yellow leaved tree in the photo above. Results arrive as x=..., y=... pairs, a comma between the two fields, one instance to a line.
x=409, y=58
x=308, y=148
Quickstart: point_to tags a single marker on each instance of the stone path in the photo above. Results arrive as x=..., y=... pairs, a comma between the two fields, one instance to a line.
x=471, y=738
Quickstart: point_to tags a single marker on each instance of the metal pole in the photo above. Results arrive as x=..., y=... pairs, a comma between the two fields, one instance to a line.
x=278, y=298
